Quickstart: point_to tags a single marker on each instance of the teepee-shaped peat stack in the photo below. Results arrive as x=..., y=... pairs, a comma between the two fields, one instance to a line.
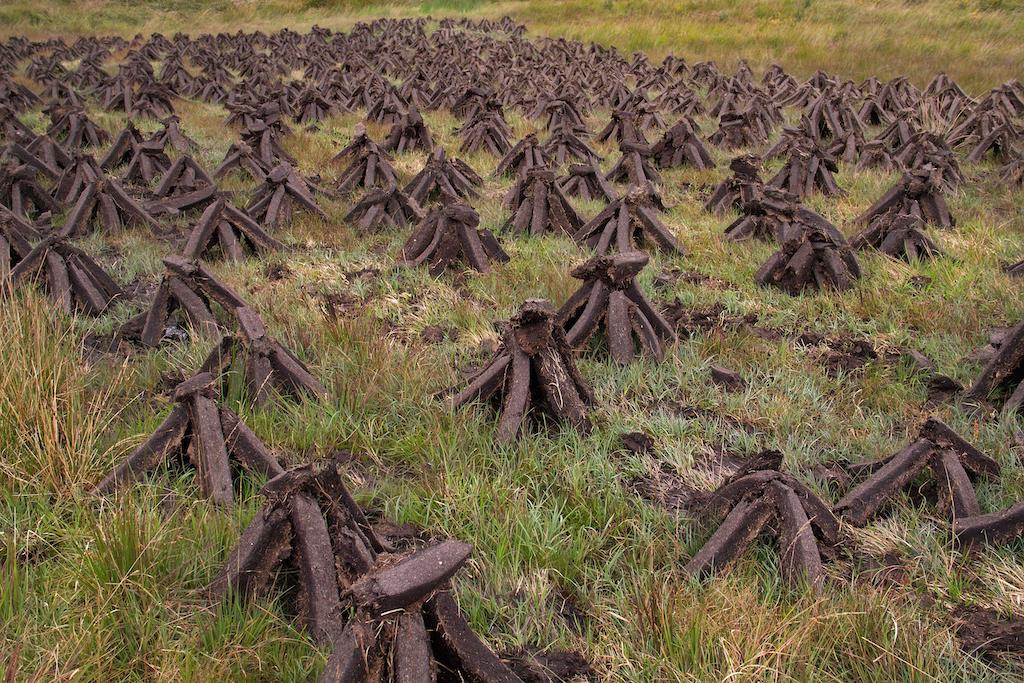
x=123, y=147
x=622, y=128
x=918, y=193
x=760, y=497
x=1004, y=373
x=897, y=235
x=939, y=452
x=441, y=176
x=388, y=206
x=533, y=371
x=97, y=196
x=815, y=256
x=267, y=364
x=449, y=234
x=185, y=186
x=769, y=214
x=526, y=154
x=242, y=156
x=566, y=144
x=272, y=201
x=377, y=606
x=808, y=169
x=232, y=230
x=538, y=205
x=73, y=129
x=188, y=286
x=369, y=165
x=737, y=190
x=628, y=223
x=171, y=134
x=200, y=431
x=681, y=146
x=21, y=192
x=611, y=301
x=488, y=131
x=634, y=166
x=67, y=274
x=147, y=163
x=409, y=134
x=587, y=182
x=42, y=154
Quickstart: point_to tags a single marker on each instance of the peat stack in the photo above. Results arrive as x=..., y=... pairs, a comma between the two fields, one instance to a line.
x=538, y=206
x=242, y=156
x=185, y=186
x=938, y=454
x=1003, y=374
x=388, y=206
x=42, y=154
x=199, y=431
x=449, y=234
x=97, y=198
x=622, y=128
x=918, y=193
x=186, y=286
x=266, y=363
x=1000, y=143
x=681, y=146
x=69, y=276
x=441, y=176
x=634, y=166
x=123, y=147
x=486, y=131
x=312, y=107
x=566, y=145
x=876, y=155
x=21, y=192
x=808, y=169
x=282, y=188
x=222, y=225
x=628, y=224
x=587, y=182
x=72, y=128
x=737, y=130
x=147, y=163
x=369, y=165
x=526, y=154
x=533, y=372
x=812, y=257
x=562, y=114
x=372, y=602
x=153, y=100
x=899, y=236
x=760, y=497
x=265, y=140
x=171, y=134
x=737, y=190
x=409, y=134
x=611, y=301
x=769, y=214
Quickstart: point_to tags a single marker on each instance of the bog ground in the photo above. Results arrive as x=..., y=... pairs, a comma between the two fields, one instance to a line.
x=585, y=486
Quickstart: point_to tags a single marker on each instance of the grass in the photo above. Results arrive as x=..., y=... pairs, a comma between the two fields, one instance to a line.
x=111, y=590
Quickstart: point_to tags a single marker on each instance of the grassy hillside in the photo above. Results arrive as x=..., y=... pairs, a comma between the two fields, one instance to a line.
x=112, y=591
x=975, y=41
